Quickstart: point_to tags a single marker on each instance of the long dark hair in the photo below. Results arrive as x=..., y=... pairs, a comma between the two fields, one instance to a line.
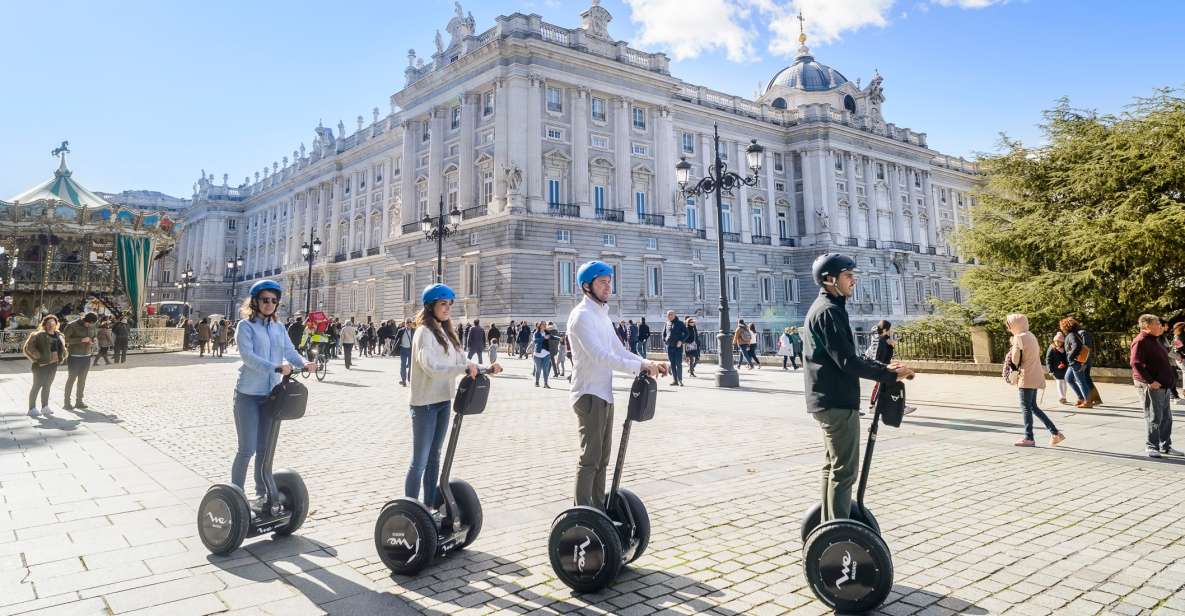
x=443, y=331
x=882, y=327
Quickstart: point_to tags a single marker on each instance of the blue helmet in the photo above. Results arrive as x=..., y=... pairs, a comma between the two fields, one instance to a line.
x=436, y=292
x=591, y=271
x=266, y=285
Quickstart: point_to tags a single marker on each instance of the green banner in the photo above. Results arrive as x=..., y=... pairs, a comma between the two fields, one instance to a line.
x=135, y=259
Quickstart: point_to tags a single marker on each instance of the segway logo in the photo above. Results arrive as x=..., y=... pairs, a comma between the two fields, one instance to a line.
x=578, y=554
x=849, y=570
x=896, y=398
x=399, y=540
x=216, y=521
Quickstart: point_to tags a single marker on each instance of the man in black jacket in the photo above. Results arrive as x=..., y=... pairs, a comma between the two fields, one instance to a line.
x=832, y=373
x=675, y=334
x=122, y=334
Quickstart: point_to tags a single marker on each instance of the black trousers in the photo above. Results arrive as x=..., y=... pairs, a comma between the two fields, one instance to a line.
x=349, y=347
x=42, y=378
x=121, y=350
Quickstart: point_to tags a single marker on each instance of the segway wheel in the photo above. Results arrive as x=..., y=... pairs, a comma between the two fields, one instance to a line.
x=405, y=537
x=848, y=566
x=322, y=370
x=641, y=532
x=470, y=507
x=223, y=518
x=859, y=513
x=585, y=549
x=295, y=498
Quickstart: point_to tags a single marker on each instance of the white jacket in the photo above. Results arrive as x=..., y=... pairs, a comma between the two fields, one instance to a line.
x=434, y=369
x=596, y=352
x=349, y=334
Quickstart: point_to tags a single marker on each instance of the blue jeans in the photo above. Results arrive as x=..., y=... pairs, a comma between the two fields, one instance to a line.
x=1028, y=406
x=1079, y=378
x=404, y=364
x=542, y=365
x=642, y=347
x=252, y=421
x=428, y=425
x=675, y=355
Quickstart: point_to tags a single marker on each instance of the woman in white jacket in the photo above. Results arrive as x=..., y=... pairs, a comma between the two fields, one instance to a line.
x=437, y=361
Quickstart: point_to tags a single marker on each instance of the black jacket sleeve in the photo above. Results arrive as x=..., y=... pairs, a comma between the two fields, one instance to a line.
x=841, y=347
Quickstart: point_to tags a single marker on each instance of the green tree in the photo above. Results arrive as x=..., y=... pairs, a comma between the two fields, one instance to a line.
x=1091, y=223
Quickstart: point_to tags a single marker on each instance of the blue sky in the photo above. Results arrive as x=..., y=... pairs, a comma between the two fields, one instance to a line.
x=149, y=92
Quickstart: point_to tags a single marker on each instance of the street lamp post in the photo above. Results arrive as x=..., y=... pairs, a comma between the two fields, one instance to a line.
x=234, y=264
x=188, y=279
x=437, y=228
x=719, y=180
x=309, y=250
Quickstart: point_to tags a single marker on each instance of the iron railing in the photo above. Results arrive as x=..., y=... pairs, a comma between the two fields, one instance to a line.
x=570, y=210
x=410, y=227
x=761, y=239
x=338, y=258
x=732, y=237
x=611, y=215
x=787, y=241
x=1109, y=349
x=474, y=212
x=356, y=254
x=870, y=243
x=140, y=339
x=854, y=241
x=658, y=220
x=370, y=252
x=925, y=346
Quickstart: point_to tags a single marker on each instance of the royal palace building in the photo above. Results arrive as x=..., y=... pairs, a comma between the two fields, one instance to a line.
x=558, y=145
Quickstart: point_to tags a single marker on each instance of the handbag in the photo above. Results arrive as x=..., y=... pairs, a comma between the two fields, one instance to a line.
x=890, y=403
x=288, y=399
x=1084, y=353
x=643, y=395
x=472, y=395
x=691, y=346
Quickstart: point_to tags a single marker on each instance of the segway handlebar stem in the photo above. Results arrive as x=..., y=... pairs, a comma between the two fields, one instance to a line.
x=866, y=464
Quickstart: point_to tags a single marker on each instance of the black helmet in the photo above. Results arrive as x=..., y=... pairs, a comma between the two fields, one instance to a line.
x=831, y=264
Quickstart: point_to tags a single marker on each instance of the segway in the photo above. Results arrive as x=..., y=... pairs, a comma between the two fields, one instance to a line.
x=408, y=534
x=225, y=517
x=588, y=546
x=846, y=562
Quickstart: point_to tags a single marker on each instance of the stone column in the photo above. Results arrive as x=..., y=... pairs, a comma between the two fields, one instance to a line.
x=930, y=206
x=407, y=175
x=465, y=175
x=854, y=211
x=901, y=224
x=664, y=161
x=874, y=212
x=533, y=176
x=385, y=204
x=743, y=210
x=502, y=135
x=435, y=159
x=623, y=160
x=791, y=181
x=334, y=240
x=517, y=109
x=766, y=176
x=580, y=180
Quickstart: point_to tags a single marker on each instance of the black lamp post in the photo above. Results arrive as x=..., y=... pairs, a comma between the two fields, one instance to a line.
x=309, y=250
x=233, y=264
x=718, y=180
x=188, y=279
x=437, y=228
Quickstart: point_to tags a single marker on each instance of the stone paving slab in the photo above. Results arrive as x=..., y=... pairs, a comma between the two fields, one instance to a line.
x=97, y=508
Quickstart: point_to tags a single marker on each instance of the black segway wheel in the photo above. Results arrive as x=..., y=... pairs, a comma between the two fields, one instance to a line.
x=585, y=549
x=223, y=519
x=860, y=513
x=470, y=507
x=848, y=566
x=640, y=538
x=405, y=537
x=295, y=498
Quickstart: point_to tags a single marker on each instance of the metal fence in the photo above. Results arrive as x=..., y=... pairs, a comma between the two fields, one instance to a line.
x=141, y=339
x=1110, y=349
x=928, y=347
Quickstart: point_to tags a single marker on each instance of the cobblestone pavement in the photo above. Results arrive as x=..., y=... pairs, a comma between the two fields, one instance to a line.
x=97, y=509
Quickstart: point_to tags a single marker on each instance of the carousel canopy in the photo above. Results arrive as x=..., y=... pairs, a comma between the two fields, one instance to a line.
x=62, y=187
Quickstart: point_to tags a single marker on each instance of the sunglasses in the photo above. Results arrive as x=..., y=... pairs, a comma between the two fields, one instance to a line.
x=269, y=300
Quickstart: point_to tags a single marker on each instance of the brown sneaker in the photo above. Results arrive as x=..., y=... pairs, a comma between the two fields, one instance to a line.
x=1056, y=438
x=1025, y=442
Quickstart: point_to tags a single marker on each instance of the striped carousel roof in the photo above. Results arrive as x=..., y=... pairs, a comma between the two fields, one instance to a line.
x=62, y=187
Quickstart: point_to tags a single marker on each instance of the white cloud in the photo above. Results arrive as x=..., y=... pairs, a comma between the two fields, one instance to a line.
x=826, y=20
x=688, y=28
x=969, y=4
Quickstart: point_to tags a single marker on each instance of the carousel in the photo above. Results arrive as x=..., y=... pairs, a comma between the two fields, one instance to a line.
x=64, y=250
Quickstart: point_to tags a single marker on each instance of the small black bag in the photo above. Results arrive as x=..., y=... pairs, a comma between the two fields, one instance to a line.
x=643, y=395
x=472, y=394
x=288, y=399
x=890, y=403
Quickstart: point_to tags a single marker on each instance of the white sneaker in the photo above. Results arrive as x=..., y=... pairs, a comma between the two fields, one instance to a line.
x=1152, y=453
x=33, y=412
x=45, y=410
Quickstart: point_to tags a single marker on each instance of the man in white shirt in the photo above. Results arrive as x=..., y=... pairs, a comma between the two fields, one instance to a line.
x=596, y=354
x=349, y=335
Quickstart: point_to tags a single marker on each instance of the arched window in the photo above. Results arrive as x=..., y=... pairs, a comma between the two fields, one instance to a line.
x=849, y=103
x=780, y=103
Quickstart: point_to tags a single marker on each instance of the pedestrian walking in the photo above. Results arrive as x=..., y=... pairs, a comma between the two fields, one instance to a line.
x=1023, y=369
x=438, y=361
x=268, y=356
x=674, y=334
x=475, y=341
x=1178, y=354
x=643, y=337
x=785, y=348
x=46, y=349
x=832, y=370
x=524, y=338
x=1151, y=373
x=1078, y=350
x=796, y=343
x=881, y=349
x=349, y=336
x=1057, y=364
x=632, y=335
x=596, y=354
x=106, y=340
x=740, y=341
x=123, y=334
x=691, y=348
x=541, y=354
x=752, y=349
x=203, y=335
x=404, y=335
x=80, y=338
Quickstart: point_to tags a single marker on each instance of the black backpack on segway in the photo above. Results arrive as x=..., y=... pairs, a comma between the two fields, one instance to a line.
x=226, y=519
x=588, y=546
x=409, y=535
x=847, y=564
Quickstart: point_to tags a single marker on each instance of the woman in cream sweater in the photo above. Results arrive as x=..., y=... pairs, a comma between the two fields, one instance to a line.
x=437, y=361
x=1025, y=355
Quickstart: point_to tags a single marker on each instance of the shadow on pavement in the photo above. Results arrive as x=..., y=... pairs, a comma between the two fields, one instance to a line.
x=344, y=384
x=969, y=425
x=1127, y=456
x=919, y=599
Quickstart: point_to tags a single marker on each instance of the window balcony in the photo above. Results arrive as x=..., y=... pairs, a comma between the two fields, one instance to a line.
x=338, y=258
x=732, y=237
x=764, y=240
x=701, y=233
x=474, y=212
x=357, y=254
x=370, y=252
x=870, y=243
x=788, y=241
x=854, y=241
x=931, y=250
x=571, y=210
x=658, y=220
x=611, y=215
